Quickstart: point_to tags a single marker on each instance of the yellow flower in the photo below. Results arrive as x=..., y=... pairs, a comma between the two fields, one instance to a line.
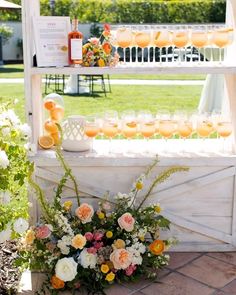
x=104, y=268
x=29, y=237
x=118, y=244
x=101, y=62
x=101, y=215
x=142, y=238
x=139, y=185
x=158, y=209
x=78, y=242
x=110, y=277
x=109, y=234
x=67, y=205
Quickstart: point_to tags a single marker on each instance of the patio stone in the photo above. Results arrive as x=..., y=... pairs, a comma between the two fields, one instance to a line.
x=142, y=283
x=180, y=259
x=210, y=271
x=229, y=257
x=118, y=290
x=230, y=288
x=177, y=284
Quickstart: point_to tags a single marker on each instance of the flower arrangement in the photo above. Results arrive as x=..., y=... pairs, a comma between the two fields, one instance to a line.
x=80, y=246
x=98, y=51
x=15, y=169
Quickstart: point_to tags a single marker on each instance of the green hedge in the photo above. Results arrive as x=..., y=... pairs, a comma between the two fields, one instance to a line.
x=140, y=11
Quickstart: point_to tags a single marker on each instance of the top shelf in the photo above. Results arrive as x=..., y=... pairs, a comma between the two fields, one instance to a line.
x=132, y=69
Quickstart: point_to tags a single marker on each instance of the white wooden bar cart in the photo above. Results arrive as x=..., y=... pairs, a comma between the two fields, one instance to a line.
x=201, y=204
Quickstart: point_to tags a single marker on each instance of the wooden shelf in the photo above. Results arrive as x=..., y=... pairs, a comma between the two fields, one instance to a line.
x=101, y=156
x=131, y=69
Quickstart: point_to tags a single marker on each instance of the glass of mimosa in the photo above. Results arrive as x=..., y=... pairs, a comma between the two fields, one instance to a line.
x=161, y=39
x=91, y=128
x=124, y=39
x=199, y=40
x=224, y=129
x=142, y=40
x=180, y=40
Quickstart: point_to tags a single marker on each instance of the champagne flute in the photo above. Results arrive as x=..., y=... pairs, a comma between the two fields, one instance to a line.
x=129, y=126
x=224, y=129
x=147, y=129
x=185, y=129
x=221, y=39
x=205, y=127
x=199, y=40
x=162, y=39
x=143, y=39
x=110, y=126
x=166, y=127
x=91, y=128
x=180, y=40
x=124, y=38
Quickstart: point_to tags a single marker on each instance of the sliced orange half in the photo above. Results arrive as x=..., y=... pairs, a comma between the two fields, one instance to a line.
x=46, y=142
x=131, y=124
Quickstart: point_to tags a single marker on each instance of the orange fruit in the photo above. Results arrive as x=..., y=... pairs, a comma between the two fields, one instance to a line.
x=57, y=114
x=46, y=141
x=56, y=138
x=50, y=126
x=49, y=104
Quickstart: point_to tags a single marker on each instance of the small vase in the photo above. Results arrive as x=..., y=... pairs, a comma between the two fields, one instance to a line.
x=74, y=139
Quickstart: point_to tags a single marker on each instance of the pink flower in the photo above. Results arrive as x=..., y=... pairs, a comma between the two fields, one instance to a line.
x=121, y=258
x=98, y=245
x=84, y=212
x=90, y=53
x=126, y=222
x=130, y=269
x=89, y=236
x=42, y=232
x=94, y=41
x=92, y=250
x=107, y=27
x=98, y=235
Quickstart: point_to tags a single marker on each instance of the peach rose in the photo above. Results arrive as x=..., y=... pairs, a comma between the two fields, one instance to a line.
x=126, y=222
x=78, y=242
x=121, y=258
x=84, y=212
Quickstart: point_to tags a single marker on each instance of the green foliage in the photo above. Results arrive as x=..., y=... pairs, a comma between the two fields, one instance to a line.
x=14, y=169
x=5, y=33
x=135, y=11
x=13, y=14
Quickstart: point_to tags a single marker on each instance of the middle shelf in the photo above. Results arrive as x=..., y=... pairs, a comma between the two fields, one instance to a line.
x=213, y=68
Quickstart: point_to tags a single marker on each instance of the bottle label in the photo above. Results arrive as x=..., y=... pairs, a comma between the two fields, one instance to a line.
x=76, y=49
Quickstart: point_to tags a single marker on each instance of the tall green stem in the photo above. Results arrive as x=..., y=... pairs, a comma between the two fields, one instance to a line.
x=69, y=172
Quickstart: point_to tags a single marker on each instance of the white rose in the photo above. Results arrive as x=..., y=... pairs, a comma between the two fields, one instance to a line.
x=25, y=130
x=5, y=235
x=5, y=197
x=87, y=260
x=4, y=162
x=63, y=247
x=20, y=225
x=66, y=269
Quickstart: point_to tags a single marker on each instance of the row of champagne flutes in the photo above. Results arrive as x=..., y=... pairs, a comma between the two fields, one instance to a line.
x=163, y=125
x=165, y=37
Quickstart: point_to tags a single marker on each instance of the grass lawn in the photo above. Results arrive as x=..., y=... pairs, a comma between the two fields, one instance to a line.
x=153, y=98
x=17, y=71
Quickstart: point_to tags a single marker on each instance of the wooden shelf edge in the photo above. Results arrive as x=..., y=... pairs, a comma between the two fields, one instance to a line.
x=157, y=70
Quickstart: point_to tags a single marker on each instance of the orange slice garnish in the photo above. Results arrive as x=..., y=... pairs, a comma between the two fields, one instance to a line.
x=46, y=142
x=131, y=124
x=49, y=104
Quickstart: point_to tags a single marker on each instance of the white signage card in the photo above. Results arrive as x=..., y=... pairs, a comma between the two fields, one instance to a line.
x=51, y=40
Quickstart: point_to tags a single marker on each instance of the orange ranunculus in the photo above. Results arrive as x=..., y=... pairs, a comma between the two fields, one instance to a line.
x=157, y=247
x=57, y=283
x=107, y=47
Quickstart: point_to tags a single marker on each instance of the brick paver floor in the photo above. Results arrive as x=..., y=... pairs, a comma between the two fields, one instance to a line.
x=187, y=274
